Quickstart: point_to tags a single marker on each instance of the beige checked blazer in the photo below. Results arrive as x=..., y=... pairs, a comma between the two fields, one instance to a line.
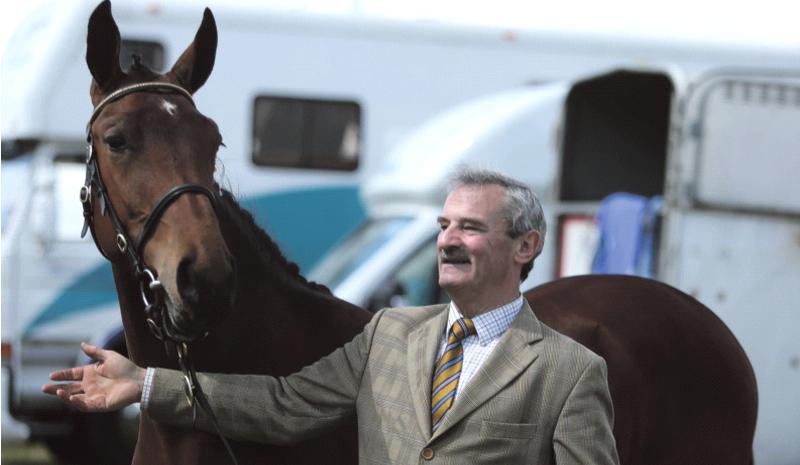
x=539, y=398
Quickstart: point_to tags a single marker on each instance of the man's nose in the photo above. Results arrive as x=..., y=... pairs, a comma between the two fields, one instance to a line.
x=448, y=237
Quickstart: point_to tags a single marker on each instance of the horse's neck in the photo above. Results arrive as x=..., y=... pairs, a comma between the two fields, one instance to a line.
x=276, y=311
x=290, y=312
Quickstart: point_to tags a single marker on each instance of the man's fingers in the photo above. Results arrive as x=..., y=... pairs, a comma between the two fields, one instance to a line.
x=53, y=389
x=94, y=352
x=69, y=389
x=67, y=374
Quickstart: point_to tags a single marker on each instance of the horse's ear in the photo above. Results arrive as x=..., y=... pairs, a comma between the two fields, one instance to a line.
x=102, y=47
x=195, y=64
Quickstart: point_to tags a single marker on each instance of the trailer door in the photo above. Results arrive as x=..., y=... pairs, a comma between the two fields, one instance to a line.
x=732, y=232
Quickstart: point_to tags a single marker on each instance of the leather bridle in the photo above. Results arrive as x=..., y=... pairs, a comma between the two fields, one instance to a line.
x=152, y=292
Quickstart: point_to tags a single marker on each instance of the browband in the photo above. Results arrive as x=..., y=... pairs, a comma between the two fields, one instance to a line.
x=117, y=94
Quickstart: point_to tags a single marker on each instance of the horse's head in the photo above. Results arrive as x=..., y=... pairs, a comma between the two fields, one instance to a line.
x=146, y=141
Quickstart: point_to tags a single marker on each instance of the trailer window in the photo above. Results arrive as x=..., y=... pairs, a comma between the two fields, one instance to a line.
x=151, y=53
x=305, y=133
x=615, y=136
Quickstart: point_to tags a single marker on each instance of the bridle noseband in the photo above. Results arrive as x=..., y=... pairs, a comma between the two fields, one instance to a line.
x=152, y=291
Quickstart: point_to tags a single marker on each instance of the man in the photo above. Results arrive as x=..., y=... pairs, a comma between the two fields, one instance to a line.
x=480, y=380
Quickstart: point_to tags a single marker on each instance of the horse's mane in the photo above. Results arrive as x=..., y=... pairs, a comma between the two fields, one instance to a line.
x=257, y=241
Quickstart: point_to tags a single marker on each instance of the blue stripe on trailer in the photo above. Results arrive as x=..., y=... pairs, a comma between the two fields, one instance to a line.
x=304, y=223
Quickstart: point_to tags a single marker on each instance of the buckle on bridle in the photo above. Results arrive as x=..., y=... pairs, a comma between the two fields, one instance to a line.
x=153, y=286
x=86, y=194
x=148, y=283
x=122, y=243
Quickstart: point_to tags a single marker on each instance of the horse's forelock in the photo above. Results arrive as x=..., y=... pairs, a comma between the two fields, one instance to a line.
x=139, y=71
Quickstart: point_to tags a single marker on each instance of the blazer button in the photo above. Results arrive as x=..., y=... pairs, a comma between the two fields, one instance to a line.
x=427, y=453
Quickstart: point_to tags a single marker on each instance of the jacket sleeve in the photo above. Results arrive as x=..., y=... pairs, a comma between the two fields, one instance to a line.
x=262, y=408
x=584, y=429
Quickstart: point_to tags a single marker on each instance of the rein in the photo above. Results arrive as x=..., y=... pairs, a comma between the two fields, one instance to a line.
x=152, y=292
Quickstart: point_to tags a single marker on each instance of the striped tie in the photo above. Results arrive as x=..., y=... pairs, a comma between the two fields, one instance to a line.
x=448, y=370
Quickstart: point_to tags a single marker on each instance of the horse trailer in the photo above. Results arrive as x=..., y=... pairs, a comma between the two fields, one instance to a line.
x=718, y=151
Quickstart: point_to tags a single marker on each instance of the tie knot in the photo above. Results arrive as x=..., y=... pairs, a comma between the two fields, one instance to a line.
x=462, y=328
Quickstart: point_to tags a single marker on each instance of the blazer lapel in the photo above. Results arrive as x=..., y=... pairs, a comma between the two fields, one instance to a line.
x=423, y=344
x=513, y=353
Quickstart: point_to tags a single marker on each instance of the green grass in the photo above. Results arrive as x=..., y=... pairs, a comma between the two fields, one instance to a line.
x=24, y=453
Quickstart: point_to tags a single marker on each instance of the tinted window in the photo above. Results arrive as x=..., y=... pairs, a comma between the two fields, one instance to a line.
x=151, y=53
x=305, y=133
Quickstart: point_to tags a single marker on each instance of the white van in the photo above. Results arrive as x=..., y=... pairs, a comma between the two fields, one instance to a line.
x=722, y=151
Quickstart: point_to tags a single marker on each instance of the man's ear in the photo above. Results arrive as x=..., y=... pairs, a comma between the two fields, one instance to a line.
x=527, y=245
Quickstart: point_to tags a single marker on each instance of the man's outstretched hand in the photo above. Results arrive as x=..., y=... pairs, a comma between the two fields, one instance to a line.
x=109, y=384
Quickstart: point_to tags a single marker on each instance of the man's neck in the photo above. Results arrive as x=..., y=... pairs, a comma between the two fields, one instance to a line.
x=472, y=307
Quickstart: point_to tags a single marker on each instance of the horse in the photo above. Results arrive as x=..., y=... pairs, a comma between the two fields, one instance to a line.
x=682, y=387
x=202, y=274
x=199, y=272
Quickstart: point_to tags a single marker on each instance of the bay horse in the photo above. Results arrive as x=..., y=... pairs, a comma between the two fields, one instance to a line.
x=682, y=387
x=150, y=176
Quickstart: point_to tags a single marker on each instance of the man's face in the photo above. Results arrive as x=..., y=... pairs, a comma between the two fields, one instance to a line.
x=476, y=255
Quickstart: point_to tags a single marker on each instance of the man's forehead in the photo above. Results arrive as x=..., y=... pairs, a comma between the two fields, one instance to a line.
x=474, y=202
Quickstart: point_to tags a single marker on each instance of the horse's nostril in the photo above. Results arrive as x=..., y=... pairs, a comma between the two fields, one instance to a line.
x=205, y=287
x=188, y=287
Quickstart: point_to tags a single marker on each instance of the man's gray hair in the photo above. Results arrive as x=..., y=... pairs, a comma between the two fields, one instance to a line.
x=523, y=209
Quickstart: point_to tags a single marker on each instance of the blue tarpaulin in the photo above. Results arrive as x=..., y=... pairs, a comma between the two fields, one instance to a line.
x=628, y=229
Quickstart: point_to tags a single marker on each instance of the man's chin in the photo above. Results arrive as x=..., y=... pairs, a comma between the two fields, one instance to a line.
x=451, y=283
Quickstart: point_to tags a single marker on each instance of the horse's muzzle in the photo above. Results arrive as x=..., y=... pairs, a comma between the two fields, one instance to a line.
x=207, y=296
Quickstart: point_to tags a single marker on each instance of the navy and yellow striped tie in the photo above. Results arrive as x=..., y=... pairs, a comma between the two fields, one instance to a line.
x=448, y=370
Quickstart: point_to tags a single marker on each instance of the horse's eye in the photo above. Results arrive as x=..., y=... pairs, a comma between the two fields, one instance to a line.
x=115, y=142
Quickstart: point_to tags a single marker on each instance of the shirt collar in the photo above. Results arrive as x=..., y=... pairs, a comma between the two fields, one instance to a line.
x=489, y=325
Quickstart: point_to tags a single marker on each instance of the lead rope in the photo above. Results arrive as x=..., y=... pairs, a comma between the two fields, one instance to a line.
x=195, y=395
